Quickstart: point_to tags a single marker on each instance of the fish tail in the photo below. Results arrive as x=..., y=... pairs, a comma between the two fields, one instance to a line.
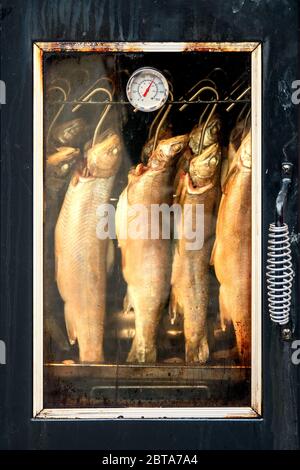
x=70, y=322
x=146, y=323
x=225, y=316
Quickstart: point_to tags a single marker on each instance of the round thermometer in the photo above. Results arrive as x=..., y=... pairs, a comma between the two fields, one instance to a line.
x=147, y=89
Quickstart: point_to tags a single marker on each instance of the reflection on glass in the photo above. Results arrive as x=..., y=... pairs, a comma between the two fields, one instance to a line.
x=147, y=232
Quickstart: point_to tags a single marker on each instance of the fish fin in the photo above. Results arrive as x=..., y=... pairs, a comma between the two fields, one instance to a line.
x=132, y=355
x=70, y=323
x=127, y=305
x=56, y=261
x=110, y=257
x=121, y=217
x=225, y=317
x=213, y=252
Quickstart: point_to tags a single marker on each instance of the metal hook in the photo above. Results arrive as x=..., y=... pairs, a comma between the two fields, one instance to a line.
x=103, y=114
x=213, y=90
x=154, y=122
x=239, y=98
x=58, y=112
x=170, y=85
x=217, y=69
x=203, y=80
x=206, y=79
x=239, y=118
x=238, y=83
x=60, y=79
x=205, y=88
x=162, y=120
x=159, y=113
x=200, y=147
x=87, y=94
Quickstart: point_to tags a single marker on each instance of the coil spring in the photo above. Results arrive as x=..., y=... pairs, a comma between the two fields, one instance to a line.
x=279, y=274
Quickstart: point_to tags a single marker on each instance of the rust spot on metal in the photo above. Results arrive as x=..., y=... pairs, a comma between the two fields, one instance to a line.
x=219, y=47
x=135, y=47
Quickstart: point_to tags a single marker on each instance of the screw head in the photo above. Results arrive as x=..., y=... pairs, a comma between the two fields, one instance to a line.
x=286, y=334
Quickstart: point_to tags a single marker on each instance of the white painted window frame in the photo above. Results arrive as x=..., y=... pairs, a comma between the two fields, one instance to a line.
x=255, y=409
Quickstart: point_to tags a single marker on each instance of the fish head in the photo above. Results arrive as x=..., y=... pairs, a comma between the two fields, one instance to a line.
x=61, y=163
x=104, y=158
x=164, y=133
x=211, y=136
x=167, y=151
x=146, y=151
x=72, y=132
x=204, y=167
x=245, y=153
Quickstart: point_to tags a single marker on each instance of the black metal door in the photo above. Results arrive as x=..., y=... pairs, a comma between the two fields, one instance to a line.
x=275, y=24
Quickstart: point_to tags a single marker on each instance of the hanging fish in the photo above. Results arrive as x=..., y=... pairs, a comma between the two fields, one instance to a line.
x=60, y=164
x=81, y=257
x=165, y=133
x=190, y=271
x=74, y=132
x=160, y=129
x=146, y=262
x=58, y=170
x=211, y=136
x=232, y=250
x=235, y=139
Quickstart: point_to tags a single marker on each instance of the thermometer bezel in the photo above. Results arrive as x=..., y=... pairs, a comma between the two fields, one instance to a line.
x=157, y=73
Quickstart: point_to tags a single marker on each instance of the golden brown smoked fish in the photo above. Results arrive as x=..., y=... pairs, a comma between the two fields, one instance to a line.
x=80, y=255
x=165, y=133
x=190, y=272
x=72, y=132
x=58, y=170
x=234, y=143
x=232, y=251
x=146, y=263
x=211, y=136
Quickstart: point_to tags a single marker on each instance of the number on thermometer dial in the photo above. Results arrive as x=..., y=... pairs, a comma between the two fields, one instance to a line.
x=147, y=89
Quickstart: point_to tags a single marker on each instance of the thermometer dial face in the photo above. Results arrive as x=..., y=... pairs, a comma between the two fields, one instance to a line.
x=147, y=89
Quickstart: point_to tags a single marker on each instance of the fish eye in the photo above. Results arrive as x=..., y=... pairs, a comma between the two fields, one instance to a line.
x=213, y=161
x=115, y=151
x=64, y=168
x=246, y=160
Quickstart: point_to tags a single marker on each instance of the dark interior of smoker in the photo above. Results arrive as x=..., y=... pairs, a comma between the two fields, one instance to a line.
x=170, y=382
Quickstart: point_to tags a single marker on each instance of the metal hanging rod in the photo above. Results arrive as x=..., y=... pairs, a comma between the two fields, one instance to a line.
x=228, y=101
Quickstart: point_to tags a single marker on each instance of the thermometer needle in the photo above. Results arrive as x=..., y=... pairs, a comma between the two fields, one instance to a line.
x=147, y=89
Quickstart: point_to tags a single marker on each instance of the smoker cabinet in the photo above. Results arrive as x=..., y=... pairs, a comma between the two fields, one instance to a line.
x=163, y=341
x=199, y=119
